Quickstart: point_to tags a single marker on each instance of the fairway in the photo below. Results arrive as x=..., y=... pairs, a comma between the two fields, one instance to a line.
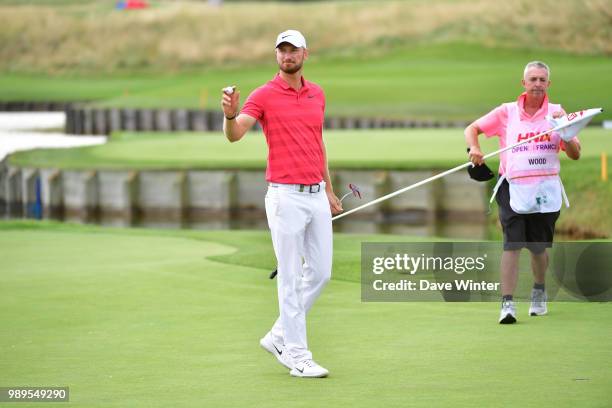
x=406, y=149
x=438, y=82
x=149, y=318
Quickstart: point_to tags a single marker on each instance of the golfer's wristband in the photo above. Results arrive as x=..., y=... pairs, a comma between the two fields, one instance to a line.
x=232, y=118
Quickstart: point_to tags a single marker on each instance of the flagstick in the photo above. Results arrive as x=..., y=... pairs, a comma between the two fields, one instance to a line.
x=455, y=169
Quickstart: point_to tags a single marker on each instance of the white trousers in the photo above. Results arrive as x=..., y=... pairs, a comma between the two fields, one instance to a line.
x=301, y=227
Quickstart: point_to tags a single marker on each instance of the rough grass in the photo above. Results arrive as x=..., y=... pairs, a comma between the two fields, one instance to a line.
x=92, y=37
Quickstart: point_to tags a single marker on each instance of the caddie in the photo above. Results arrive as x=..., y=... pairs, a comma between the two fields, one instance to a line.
x=529, y=191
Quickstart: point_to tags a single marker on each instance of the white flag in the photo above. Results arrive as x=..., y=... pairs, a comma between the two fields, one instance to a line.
x=569, y=125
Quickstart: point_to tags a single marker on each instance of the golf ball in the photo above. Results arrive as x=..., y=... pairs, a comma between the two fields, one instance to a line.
x=229, y=90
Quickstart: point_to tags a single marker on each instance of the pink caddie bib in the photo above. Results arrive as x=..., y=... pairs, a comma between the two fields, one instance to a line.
x=532, y=169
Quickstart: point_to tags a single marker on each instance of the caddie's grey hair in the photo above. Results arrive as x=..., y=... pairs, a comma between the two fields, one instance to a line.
x=537, y=64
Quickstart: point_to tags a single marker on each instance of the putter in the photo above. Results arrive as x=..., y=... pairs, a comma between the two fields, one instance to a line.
x=570, y=123
x=354, y=190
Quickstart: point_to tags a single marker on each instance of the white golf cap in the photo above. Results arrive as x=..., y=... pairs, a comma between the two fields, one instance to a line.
x=292, y=37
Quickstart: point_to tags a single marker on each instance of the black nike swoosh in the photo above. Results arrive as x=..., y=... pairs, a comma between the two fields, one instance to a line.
x=285, y=36
x=280, y=352
x=301, y=371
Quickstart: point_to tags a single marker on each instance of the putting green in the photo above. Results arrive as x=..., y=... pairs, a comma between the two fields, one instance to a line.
x=160, y=318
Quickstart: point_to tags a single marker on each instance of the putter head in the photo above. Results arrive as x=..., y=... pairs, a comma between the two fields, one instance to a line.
x=355, y=190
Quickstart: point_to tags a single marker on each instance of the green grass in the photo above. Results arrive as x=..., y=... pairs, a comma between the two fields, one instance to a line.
x=353, y=149
x=443, y=82
x=167, y=318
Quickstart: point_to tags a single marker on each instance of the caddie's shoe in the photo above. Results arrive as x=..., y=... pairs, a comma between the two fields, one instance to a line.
x=538, y=303
x=308, y=368
x=508, y=312
x=277, y=350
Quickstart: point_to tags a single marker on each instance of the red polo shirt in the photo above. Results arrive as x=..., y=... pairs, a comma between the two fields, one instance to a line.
x=293, y=124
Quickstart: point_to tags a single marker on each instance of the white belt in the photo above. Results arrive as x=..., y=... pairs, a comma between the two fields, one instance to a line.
x=302, y=188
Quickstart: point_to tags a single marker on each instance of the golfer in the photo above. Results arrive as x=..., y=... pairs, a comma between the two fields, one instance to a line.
x=300, y=199
x=529, y=192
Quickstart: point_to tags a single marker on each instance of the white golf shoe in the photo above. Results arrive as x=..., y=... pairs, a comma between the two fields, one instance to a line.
x=538, y=303
x=308, y=368
x=277, y=350
x=508, y=312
